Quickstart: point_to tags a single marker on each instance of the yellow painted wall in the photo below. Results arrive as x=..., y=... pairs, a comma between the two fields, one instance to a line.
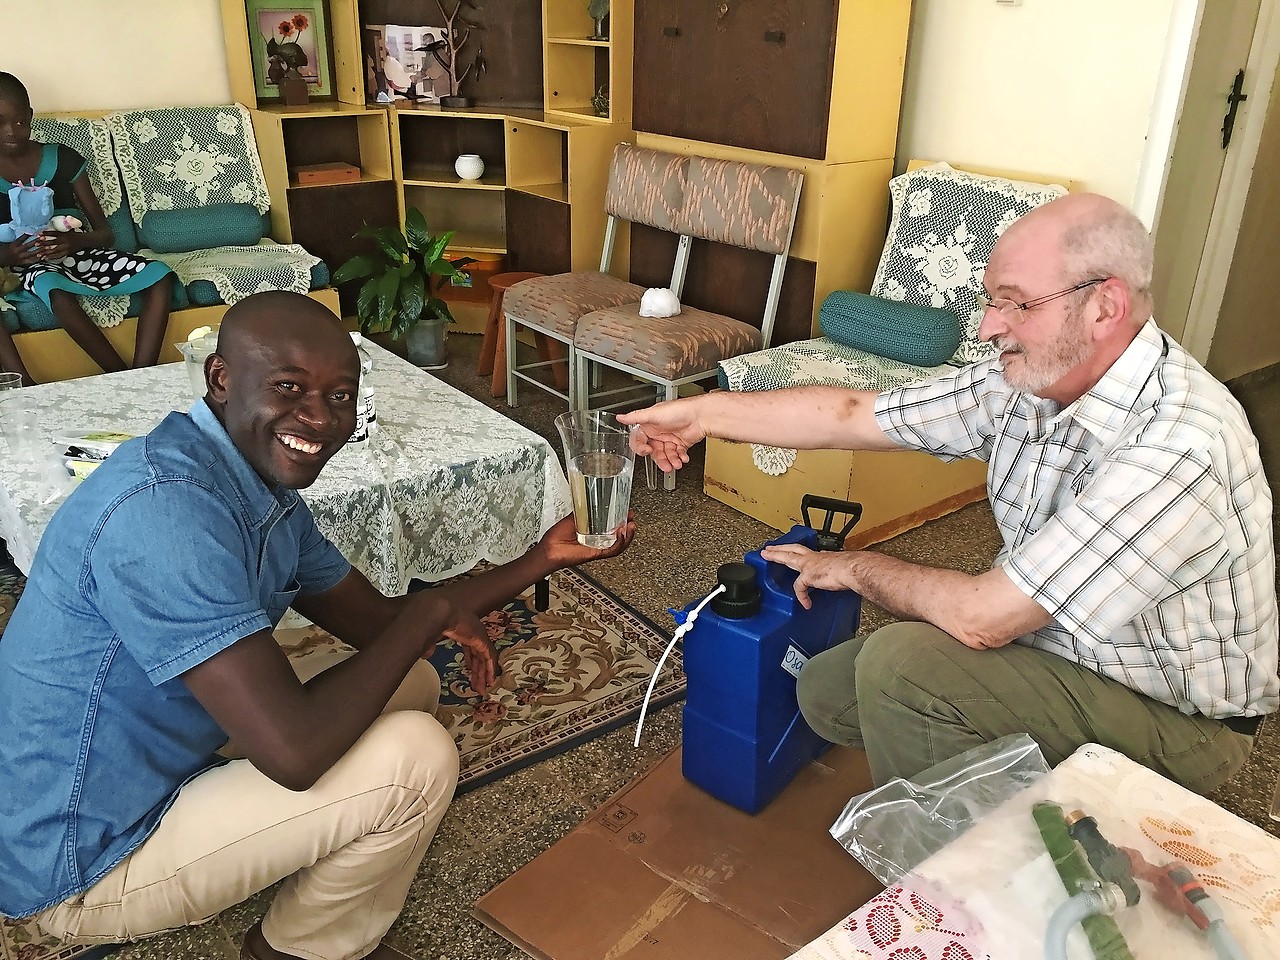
x=82, y=55
x=1064, y=85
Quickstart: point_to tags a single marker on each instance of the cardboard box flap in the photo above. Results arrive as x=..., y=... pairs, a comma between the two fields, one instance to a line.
x=664, y=870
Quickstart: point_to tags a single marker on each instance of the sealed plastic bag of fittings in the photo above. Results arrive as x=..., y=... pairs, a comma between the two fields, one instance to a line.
x=891, y=829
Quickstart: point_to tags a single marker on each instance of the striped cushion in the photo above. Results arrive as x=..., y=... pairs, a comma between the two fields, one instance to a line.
x=749, y=205
x=647, y=186
x=556, y=303
x=668, y=348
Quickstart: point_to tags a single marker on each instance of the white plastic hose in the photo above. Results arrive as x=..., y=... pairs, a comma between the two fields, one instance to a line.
x=675, y=637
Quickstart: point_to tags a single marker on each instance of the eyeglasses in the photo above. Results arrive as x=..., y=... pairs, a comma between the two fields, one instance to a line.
x=1012, y=310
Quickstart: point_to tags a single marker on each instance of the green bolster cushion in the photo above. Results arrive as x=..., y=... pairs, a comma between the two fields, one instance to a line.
x=922, y=336
x=200, y=228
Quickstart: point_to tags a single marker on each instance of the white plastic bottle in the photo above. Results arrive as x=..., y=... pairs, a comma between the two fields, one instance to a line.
x=366, y=411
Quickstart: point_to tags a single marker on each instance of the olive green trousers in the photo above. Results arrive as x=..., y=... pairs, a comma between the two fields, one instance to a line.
x=911, y=695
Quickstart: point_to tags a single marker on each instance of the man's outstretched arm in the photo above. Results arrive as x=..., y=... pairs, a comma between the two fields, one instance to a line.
x=807, y=418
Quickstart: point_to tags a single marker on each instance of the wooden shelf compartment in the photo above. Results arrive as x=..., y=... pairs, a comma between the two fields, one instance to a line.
x=478, y=216
x=573, y=75
x=568, y=19
x=538, y=159
x=347, y=77
x=435, y=175
x=427, y=144
x=360, y=139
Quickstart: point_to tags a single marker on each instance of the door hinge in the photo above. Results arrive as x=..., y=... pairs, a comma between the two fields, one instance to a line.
x=1234, y=99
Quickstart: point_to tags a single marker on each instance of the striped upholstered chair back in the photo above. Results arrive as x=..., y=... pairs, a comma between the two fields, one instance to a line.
x=747, y=205
x=644, y=186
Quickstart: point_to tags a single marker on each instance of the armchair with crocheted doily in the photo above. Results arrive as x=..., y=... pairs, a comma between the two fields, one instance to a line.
x=184, y=185
x=920, y=319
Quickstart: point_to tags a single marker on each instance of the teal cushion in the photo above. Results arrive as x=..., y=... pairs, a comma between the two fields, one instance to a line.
x=30, y=313
x=126, y=237
x=199, y=228
x=204, y=294
x=9, y=318
x=922, y=336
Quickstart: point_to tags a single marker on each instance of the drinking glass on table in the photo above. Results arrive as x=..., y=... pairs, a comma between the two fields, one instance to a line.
x=600, y=463
x=19, y=424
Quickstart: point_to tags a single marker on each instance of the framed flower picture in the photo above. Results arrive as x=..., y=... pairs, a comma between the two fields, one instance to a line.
x=290, y=36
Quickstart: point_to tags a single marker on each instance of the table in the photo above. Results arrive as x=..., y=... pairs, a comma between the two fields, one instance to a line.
x=988, y=895
x=444, y=483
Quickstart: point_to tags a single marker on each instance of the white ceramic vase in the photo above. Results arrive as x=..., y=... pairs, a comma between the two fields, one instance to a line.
x=469, y=166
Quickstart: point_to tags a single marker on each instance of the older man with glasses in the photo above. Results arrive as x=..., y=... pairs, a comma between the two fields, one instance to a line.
x=1133, y=603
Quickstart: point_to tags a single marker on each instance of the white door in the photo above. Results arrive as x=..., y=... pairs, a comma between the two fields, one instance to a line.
x=1246, y=336
x=1195, y=170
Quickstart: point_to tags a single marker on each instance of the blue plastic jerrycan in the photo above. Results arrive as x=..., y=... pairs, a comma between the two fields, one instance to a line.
x=744, y=736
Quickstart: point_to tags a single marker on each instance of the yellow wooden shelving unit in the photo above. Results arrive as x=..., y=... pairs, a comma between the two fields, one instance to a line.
x=540, y=201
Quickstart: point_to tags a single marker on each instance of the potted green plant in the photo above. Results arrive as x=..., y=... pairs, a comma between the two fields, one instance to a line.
x=401, y=280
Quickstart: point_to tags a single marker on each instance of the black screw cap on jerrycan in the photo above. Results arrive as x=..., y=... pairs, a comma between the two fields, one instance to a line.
x=744, y=736
x=741, y=597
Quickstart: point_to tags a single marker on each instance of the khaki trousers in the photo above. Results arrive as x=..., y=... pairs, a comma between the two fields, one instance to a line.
x=911, y=696
x=349, y=846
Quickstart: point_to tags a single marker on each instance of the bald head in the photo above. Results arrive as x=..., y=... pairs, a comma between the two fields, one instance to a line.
x=284, y=383
x=279, y=319
x=1094, y=237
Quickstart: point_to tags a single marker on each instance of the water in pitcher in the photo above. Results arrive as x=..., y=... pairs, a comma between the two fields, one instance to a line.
x=600, y=483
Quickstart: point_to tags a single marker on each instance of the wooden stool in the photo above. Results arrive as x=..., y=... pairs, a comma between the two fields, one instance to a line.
x=493, y=349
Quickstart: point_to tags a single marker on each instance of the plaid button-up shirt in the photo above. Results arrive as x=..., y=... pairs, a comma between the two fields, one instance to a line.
x=1138, y=517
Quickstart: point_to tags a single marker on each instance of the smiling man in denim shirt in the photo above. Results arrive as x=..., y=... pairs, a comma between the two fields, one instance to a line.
x=143, y=643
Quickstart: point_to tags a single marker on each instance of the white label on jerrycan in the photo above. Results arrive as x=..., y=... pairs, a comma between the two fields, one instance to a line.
x=793, y=661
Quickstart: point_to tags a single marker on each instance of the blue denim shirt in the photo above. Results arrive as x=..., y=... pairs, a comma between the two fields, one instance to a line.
x=168, y=553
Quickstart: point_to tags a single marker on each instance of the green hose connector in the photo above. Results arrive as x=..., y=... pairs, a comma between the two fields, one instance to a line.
x=1073, y=868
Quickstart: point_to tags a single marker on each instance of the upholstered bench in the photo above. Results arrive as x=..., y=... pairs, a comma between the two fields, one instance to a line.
x=183, y=185
x=945, y=222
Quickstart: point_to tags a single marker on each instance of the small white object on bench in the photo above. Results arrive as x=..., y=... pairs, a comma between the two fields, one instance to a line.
x=659, y=302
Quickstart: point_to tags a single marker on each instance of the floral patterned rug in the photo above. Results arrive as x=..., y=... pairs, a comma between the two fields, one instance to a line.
x=569, y=673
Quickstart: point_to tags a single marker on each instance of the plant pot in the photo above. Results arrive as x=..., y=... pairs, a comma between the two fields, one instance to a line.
x=426, y=343
x=455, y=101
x=293, y=89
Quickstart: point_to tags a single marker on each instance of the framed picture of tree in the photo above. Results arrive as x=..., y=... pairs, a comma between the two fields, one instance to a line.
x=290, y=36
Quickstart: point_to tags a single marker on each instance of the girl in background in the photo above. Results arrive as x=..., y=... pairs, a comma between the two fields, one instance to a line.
x=58, y=267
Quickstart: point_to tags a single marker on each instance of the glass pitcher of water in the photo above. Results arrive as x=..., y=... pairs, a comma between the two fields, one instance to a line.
x=599, y=462
x=195, y=350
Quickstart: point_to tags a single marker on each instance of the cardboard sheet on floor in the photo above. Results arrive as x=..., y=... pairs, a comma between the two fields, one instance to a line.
x=665, y=871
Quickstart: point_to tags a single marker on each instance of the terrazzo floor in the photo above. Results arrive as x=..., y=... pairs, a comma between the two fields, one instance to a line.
x=683, y=536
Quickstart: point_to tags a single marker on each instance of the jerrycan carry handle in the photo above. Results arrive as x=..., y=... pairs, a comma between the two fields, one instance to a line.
x=827, y=538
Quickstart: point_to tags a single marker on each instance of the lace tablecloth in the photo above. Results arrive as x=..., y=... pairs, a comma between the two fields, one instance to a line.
x=446, y=481
x=989, y=894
